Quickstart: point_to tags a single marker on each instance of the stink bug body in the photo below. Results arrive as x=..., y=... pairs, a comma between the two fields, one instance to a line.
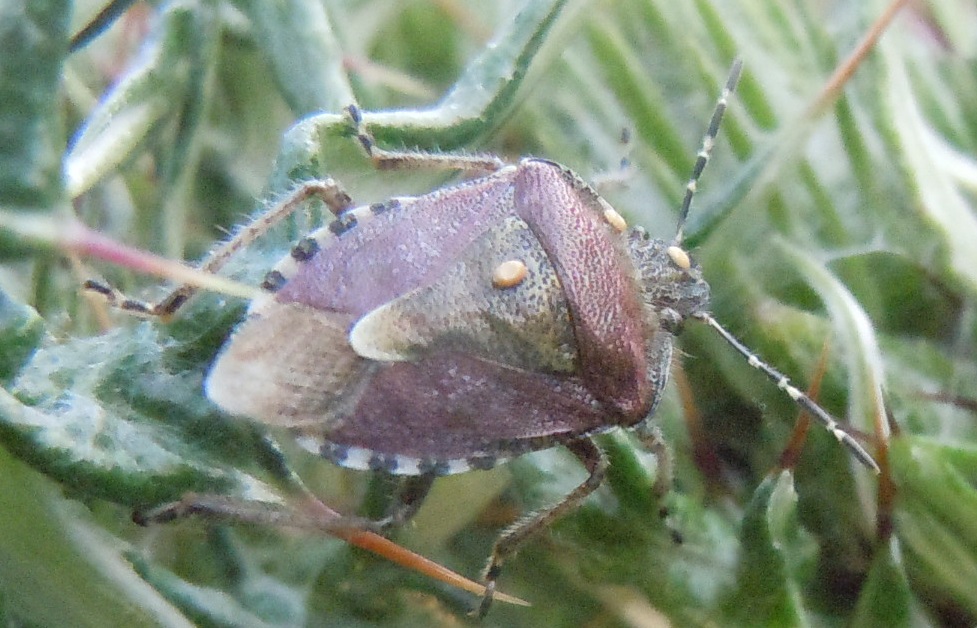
x=431, y=335
x=510, y=318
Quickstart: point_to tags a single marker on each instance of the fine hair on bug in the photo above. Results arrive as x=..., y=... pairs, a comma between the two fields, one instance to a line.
x=431, y=335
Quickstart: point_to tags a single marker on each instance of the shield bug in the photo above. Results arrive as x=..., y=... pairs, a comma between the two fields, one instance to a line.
x=436, y=334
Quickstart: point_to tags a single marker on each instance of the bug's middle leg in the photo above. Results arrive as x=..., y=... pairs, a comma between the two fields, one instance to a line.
x=417, y=159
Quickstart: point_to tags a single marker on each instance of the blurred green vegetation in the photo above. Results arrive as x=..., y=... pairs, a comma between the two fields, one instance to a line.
x=853, y=225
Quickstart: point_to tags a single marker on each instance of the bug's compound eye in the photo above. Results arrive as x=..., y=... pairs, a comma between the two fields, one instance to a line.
x=679, y=257
x=670, y=320
x=509, y=274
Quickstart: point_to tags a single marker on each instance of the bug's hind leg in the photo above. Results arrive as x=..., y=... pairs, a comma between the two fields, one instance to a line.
x=309, y=513
x=326, y=190
x=594, y=460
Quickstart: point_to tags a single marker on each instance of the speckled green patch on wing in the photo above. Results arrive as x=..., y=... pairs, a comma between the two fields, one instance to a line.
x=525, y=325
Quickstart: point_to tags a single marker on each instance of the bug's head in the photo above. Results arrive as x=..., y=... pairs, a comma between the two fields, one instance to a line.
x=671, y=283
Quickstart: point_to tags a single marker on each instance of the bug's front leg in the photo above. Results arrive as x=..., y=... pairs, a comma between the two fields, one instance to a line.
x=594, y=460
x=652, y=439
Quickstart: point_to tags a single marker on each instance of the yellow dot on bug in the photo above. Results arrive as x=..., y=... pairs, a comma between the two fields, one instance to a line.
x=509, y=273
x=615, y=220
x=680, y=257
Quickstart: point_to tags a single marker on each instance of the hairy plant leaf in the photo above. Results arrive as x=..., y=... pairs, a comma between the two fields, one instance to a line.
x=121, y=416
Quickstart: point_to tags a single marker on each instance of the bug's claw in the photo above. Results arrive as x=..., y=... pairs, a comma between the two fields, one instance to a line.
x=486, y=603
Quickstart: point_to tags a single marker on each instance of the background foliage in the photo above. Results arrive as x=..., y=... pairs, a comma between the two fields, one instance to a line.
x=851, y=223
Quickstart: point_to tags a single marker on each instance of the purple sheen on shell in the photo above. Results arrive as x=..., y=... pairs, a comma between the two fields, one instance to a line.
x=454, y=406
x=401, y=249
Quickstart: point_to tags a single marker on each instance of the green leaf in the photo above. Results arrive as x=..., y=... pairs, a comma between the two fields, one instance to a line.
x=886, y=598
x=481, y=98
x=934, y=522
x=33, y=44
x=59, y=568
x=123, y=121
x=304, y=53
x=21, y=331
x=936, y=184
x=210, y=606
x=774, y=553
x=121, y=417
